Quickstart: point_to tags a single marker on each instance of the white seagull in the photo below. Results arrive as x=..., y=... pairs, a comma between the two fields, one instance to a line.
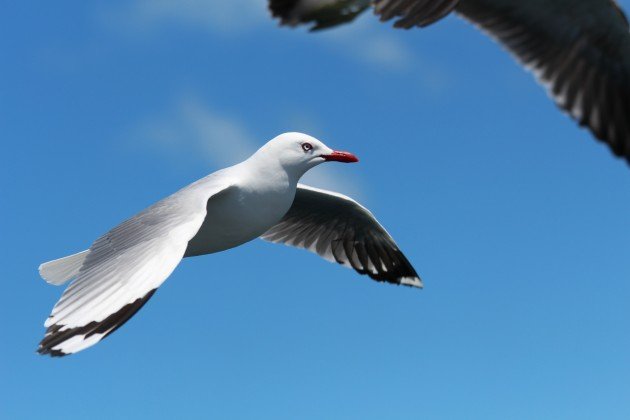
x=578, y=49
x=259, y=197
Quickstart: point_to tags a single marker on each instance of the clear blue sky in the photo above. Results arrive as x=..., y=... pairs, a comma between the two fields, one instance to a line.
x=517, y=220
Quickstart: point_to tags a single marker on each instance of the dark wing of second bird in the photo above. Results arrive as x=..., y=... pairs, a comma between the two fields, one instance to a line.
x=578, y=49
x=340, y=230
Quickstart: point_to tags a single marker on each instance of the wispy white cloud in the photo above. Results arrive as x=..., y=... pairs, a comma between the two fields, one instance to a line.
x=193, y=132
x=192, y=129
x=365, y=40
x=232, y=16
x=361, y=40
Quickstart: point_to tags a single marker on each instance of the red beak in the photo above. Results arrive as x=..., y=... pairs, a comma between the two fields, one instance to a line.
x=337, y=156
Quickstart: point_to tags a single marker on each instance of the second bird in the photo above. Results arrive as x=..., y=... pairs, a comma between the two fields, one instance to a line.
x=578, y=49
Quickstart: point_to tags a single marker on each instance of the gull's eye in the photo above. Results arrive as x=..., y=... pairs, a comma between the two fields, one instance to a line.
x=307, y=147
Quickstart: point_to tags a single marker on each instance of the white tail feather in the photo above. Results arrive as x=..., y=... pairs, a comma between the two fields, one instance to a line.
x=60, y=271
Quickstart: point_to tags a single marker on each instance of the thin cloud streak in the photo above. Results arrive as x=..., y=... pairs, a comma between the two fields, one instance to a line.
x=367, y=43
x=193, y=131
x=360, y=40
x=234, y=16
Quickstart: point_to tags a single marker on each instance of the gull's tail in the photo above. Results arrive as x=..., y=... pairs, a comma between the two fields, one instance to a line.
x=60, y=271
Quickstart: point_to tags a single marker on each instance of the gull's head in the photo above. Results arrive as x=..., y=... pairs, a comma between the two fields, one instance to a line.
x=298, y=152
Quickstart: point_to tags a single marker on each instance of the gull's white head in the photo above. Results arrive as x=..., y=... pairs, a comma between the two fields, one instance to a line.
x=298, y=152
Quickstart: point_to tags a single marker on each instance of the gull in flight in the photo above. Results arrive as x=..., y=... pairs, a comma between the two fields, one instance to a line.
x=578, y=49
x=260, y=197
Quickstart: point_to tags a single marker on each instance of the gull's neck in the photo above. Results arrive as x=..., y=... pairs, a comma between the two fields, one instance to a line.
x=263, y=168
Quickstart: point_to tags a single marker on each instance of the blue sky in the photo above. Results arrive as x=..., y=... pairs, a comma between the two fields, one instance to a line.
x=515, y=218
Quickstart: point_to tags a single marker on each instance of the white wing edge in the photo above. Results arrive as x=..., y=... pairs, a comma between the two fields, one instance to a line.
x=61, y=270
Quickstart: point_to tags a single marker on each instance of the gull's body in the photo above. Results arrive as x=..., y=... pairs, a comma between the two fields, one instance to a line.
x=579, y=50
x=261, y=196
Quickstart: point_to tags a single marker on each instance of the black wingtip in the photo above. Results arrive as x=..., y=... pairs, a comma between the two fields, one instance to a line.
x=56, y=335
x=389, y=263
x=49, y=352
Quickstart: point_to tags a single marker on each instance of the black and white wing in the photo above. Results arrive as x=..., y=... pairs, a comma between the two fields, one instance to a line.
x=123, y=268
x=340, y=230
x=578, y=49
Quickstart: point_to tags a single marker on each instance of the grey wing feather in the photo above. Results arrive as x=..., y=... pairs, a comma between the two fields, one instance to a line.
x=341, y=230
x=580, y=50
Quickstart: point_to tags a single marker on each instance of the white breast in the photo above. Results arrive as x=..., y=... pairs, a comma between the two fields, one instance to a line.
x=240, y=215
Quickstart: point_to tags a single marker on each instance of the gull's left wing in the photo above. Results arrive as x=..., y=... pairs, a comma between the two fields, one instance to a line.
x=341, y=230
x=123, y=268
